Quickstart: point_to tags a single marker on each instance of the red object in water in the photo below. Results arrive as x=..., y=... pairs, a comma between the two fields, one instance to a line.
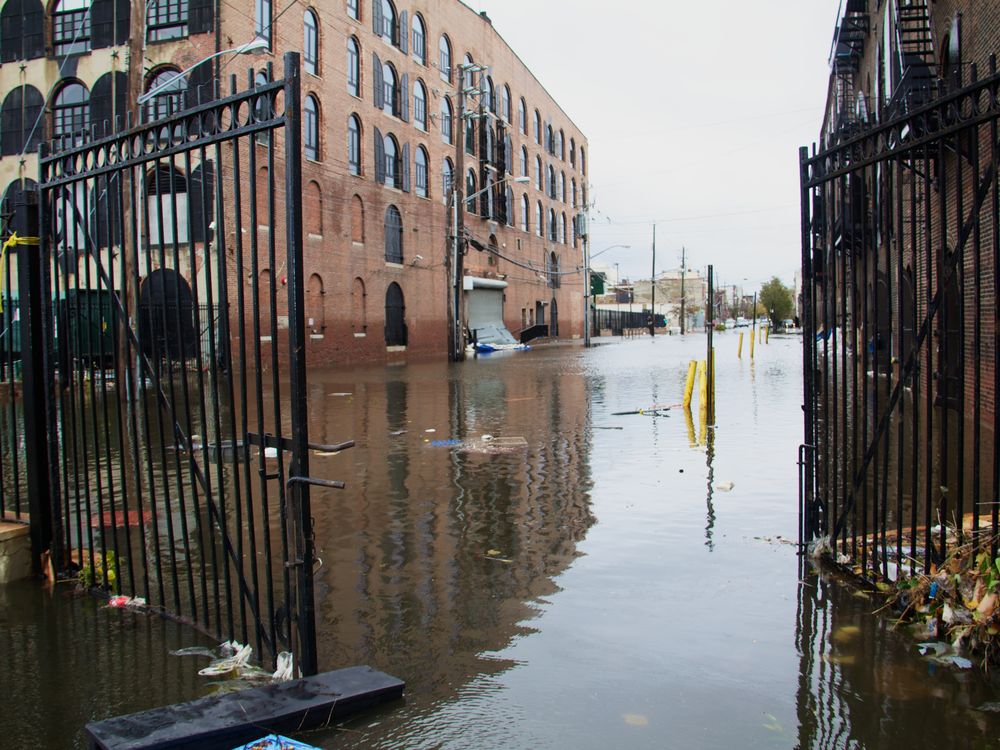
x=120, y=519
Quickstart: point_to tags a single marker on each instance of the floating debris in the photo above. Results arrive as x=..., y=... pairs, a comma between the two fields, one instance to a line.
x=725, y=486
x=636, y=720
x=276, y=742
x=845, y=634
x=445, y=443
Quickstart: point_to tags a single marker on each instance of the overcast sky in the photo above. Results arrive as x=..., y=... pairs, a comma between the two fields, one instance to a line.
x=694, y=112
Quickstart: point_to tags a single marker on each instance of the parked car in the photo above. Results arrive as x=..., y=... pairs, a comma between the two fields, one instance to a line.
x=742, y=322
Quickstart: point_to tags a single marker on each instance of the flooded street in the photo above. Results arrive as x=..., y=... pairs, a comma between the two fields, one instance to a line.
x=545, y=573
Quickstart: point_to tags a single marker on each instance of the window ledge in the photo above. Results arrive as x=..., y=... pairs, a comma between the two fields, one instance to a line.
x=392, y=264
x=360, y=335
x=396, y=348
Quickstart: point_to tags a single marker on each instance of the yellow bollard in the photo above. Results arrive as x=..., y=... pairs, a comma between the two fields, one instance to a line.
x=703, y=384
x=752, y=339
x=711, y=384
x=689, y=385
x=739, y=347
x=692, y=441
x=767, y=335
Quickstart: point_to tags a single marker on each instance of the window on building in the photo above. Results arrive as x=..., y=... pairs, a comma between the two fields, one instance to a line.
x=262, y=109
x=561, y=145
x=70, y=114
x=390, y=161
x=262, y=18
x=420, y=105
x=539, y=220
x=553, y=232
x=444, y=58
x=562, y=186
x=489, y=195
x=491, y=95
x=354, y=10
x=419, y=39
x=470, y=78
x=22, y=31
x=354, y=144
x=310, y=42
x=470, y=190
x=390, y=88
x=388, y=29
x=357, y=219
x=524, y=213
x=522, y=116
x=70, y=27
x=505, y=102
x=573, y=185
x=510, y=206
x=446, y=120
x=583, y=161
x=21, y=109
x=421, y=178
x=166, y=19
x=447, y=179
x=538, y=173
x=353, y=67
x=395, y=316
x=393, y=235
x=310, y=123
x=470, y=136
x=524, y=161
x=167, y=206
x=170, y=99
x=538, y=128
x=550, y=143
x=562, y=228
x=550, y=182
x=572, y=152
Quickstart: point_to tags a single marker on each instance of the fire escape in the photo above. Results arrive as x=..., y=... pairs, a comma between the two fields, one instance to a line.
x=918, y=83
x=848, y=47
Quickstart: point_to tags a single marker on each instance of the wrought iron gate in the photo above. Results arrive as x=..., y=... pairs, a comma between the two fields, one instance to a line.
x=176, y=365
x=901, y=315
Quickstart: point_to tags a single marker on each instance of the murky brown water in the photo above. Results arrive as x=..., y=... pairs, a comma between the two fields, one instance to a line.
x=593, y=588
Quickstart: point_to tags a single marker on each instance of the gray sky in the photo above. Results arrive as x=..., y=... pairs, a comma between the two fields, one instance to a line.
x=694, y=112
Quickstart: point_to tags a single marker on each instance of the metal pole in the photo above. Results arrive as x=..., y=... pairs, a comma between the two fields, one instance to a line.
x=808, y=340
x=586, y=293
x=652, y=284
x=457, y=353
x=682, y=292
x=710, y=354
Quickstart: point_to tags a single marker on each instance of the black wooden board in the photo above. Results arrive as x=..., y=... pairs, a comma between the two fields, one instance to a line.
x=226, y=721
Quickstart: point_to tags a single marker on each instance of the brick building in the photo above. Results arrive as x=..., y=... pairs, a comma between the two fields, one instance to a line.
x=381, y=86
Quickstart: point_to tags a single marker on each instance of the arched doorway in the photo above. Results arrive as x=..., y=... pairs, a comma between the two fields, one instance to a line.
x=359, y=315
x=554, y=318
x=395, y=316
x=166, y=323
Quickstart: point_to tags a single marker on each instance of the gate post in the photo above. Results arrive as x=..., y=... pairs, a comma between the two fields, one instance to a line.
x=807, y=511
x=32, y=298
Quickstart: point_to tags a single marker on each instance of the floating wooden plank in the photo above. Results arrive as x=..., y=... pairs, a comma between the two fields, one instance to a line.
x=222, y=722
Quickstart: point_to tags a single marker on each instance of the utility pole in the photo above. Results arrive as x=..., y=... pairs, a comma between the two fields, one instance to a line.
x=652, y=284
x=682, y=290
x=586, y=287
x=456, y=344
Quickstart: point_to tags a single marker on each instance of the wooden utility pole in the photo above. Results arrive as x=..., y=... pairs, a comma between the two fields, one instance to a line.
x=652, y=285
x=457, y=343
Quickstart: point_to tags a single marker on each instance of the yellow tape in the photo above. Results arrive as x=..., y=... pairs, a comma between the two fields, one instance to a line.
x=12, y=241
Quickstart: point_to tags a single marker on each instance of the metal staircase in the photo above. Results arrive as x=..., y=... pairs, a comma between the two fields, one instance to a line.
x=919, y=83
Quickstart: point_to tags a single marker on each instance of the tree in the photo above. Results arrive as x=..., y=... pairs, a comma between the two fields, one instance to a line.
x=776, y=298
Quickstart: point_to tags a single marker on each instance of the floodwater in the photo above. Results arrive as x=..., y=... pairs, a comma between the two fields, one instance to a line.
x=582, y=579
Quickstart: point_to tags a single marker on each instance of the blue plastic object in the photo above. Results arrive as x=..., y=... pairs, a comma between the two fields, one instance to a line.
x=276, y=742
x=445, y=443
x=934, y=590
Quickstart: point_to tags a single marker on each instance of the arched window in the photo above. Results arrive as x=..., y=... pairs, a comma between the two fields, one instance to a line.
x=561, y=145
x=395, y=316
x=390, y=88
x=446, y=120
x=18, y=117
x=390, y=149
x=310, y=42
x=562, y=228
x=491, y=95
x=505, y=102
x=354, y=9
x=386, y=13
x=573, y=185
x=70, y=114
x=354, y=144
x=353, y=67
x=262, y=109
x=22, y=31
x=312, y=207
x=393, y=235
x=539, y=220
x=167, y=206
x=553, y=232
x=70, y=27
x=522, y=116
x=489, y=195
x=470, y=136
x=166, y=19
x=510, y=206
x=524, y=212
x=419, y=105
x=538, y=173
x=470, y=189
x=357, y=219
x=583, y=160
x=421, y=178
x=470, y=80
x=168, y=100
x=550, y=182
x=419, y=39
x=550, y=141
x=538, y=128
x=315, y=307
x=524, y=161
x=263, y=19
x=444, y=58
x=310, y=124
x=562, y=186
x=447, y=179
x=572, y=152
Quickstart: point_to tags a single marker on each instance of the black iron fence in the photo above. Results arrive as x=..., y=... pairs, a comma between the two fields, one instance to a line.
x=900, y=248
x=618, y=321
x=163, y=369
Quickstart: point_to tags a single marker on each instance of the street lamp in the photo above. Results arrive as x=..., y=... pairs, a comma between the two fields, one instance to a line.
x=586, y=289
x=457, y=206
x=254, y=45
